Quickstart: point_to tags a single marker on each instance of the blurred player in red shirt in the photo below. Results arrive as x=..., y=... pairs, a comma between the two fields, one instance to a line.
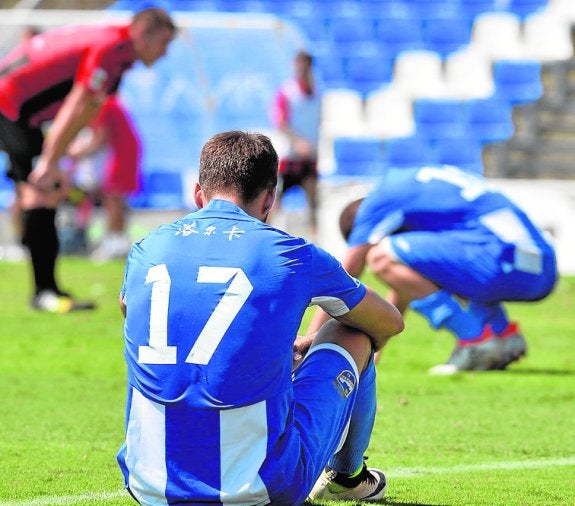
x=63, y=76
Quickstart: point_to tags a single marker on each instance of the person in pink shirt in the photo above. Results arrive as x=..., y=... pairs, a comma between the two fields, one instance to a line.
x=296, y=115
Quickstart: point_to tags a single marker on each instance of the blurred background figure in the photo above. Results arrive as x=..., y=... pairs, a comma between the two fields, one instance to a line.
x=296, y=115
x=107, y=157
x=52, y=86
x=451, y=247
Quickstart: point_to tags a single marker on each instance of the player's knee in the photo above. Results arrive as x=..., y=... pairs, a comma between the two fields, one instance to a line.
x=354, y=341
x=381, y=259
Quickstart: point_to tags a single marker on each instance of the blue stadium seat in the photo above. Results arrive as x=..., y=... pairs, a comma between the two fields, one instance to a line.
x=525, y=8
x=463, y=152
x=403, y=152
x=489, y=119
x=358, y=156
x=329, y=70
x=350, y=36
x=518, y=81
x=160, y=190
x=473, y=8
x=439, y=118
x=446, y=34
x=194, y=5
x=428, y=9
x=6, y=184
x=398, y=33
x=369, y=73
x=242, y=6
x=377, y=8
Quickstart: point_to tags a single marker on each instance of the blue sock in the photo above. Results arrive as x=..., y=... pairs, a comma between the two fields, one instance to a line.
x=350, y=458
x=492, y=313
x=441, y=309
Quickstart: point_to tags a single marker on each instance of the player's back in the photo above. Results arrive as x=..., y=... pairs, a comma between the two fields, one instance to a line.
x=217, y=297
x=213, y=302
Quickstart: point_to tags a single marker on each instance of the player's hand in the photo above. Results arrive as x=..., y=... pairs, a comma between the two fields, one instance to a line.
x=45, y=176
x=301, y=346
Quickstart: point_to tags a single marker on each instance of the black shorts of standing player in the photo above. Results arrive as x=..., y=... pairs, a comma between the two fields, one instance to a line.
x=295, y=172
x=22, y=144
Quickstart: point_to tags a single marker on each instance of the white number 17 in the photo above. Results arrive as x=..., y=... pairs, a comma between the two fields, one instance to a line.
x=158, y=351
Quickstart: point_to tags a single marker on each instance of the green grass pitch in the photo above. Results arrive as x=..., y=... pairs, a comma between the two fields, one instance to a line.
x=497, y=438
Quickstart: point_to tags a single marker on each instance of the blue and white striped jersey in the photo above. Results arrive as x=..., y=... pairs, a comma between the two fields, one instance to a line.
x=214, y=302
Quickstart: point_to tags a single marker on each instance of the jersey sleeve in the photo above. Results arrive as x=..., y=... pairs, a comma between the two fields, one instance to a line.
x=98, y=70
x=332, y=288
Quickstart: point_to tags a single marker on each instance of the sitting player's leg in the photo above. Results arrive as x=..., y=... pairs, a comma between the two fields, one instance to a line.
x=347, y=477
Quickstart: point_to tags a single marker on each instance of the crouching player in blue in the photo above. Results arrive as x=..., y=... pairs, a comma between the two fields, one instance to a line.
x=453, y=249
x=222, y=409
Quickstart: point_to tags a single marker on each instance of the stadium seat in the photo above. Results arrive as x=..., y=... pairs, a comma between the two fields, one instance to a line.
x=349, y=36
x=429, y=9
x=342, y=113
x=403, y=152
x=439, y=118
x=474, y=8
x=468, y=74
x=464, y=152
x=242, y=6
x=565, y=9
x=419, y=74
x=498, y=35
x=547, y=37
x=396, y=33
x=518, y=81
x=446, y=34
x=489, y=119
x=329, y=71
x=525, y=8
x=359, y=156
x=369, y=73
x=161, y=190
x=389, y=113
x=6, y=184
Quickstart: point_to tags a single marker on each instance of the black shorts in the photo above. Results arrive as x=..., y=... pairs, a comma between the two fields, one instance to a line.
x=294, y=172
x=22, y=144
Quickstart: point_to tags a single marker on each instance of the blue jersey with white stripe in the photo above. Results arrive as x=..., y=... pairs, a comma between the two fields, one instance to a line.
x=214, y=302
x=455, y=229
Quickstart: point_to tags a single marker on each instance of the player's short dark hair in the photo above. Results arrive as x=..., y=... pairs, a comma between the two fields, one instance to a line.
x=238, y=162
x=155, y=19
x=347, y=217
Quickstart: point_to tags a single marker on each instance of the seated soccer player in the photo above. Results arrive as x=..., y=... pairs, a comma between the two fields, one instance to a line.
x=217, y=412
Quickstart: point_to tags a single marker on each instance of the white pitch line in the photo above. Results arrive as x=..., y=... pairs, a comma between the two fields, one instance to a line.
x=415, y=472
x=68, y=499
x=399, y=472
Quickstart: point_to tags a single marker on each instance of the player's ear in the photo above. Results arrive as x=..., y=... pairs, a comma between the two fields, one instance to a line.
x=199, y=196
x=269, y=200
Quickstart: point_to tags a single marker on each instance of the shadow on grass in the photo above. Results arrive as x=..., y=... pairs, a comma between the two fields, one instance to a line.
x=541, y=372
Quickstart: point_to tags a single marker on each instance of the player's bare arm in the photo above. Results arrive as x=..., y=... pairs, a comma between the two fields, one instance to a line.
x=80, y=106
x=379, y=319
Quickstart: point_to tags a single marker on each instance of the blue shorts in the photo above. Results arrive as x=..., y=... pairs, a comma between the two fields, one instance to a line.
x=477, y=266
x=325, y=387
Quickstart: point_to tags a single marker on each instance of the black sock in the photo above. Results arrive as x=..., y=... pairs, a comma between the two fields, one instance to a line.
x=39, y=235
